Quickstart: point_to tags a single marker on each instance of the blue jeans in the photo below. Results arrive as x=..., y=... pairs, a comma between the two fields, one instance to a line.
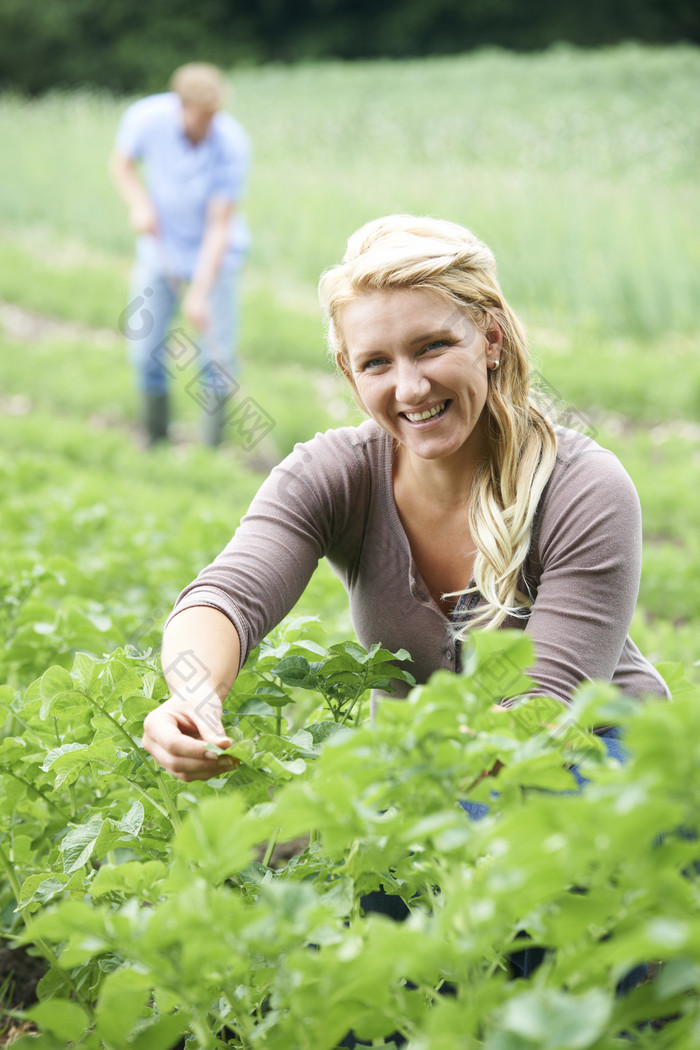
x=159, y=353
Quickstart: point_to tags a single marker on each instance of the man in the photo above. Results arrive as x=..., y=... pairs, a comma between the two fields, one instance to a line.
x=180, y=164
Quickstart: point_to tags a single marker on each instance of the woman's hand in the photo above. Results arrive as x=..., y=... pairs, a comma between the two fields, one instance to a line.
x=176, y=734
x=200, y=657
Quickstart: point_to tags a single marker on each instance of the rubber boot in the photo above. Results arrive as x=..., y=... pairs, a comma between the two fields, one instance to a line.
x=213, y=423
x=156, y=418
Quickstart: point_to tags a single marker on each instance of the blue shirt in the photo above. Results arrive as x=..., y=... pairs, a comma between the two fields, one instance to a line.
x=183, y=177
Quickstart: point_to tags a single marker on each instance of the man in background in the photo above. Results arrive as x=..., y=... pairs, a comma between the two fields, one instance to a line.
x=181, y=164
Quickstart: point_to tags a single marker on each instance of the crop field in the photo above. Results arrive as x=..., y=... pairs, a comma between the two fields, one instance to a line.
x=167, y=915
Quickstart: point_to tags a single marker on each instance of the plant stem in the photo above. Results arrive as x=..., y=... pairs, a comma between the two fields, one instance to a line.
x=169, y=802
x=133, y=744
x=203, y=1037
x=11, y=873
x=356, y=697
x=272, y=842
x=161, y=809
x=39, y=791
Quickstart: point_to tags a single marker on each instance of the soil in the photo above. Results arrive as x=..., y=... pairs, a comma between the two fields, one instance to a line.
x=25, y=971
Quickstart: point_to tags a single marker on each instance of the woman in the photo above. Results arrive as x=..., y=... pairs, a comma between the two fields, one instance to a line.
x=456, y=505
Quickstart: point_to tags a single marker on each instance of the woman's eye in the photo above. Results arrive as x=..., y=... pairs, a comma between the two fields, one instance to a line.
x=374, y=362
x=436, y=344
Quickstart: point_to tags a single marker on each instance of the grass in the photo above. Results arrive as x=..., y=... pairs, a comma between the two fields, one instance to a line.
x=578, y=168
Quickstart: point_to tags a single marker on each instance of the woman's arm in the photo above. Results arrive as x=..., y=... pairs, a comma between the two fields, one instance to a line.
x=200, y=657
x=588, y=546
x=306, y=504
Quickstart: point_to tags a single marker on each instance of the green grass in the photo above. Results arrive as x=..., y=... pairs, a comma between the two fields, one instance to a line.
x=579, y=168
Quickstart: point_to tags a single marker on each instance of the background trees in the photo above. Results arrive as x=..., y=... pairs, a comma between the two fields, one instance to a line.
x=129, y=46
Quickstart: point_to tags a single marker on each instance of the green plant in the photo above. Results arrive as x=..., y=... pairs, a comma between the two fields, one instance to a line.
x=159, y=927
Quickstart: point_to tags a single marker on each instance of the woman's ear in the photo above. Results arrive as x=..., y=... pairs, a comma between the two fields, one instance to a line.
x=342, y=365
x=494, y=334
x=494, y=343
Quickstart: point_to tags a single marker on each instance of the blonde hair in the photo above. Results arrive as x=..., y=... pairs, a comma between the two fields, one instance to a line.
x=199, y=84
x=405, y=251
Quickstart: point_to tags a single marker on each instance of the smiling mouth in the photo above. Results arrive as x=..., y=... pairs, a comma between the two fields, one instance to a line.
x=430, y=413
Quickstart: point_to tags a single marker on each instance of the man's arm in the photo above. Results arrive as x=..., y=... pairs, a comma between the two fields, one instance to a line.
x=195, y=305
x=142, y=214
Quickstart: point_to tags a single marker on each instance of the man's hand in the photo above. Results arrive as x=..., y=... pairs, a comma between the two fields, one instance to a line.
x=143, y=218
x=195, y=307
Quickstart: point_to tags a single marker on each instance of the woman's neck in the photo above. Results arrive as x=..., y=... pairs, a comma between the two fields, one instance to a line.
x=445, y=483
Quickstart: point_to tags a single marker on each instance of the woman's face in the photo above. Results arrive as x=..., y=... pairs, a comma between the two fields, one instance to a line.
x=419, y=366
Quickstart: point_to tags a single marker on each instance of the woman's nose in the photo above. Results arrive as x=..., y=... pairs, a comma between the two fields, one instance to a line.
x=412, y=385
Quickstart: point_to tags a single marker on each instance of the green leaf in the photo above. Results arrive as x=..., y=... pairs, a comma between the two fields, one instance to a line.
x=131, y=822
x=320, y=732
x=295, y=670
x=272, y=695
x=40, y=888
x=54, y=983
x=163, y=1034
x=55, y=680
x=496, y=661
x=85, y=671
x=253, y=705
x=554, y=1020
x=122, y=1005
x=61, y=1018
x=676, y=977
x=200, y=840
x=667, y=933
x=53, y=684
x=66, y=762
x=138, y=878
x=675, y=677
x=357, y=653
x=41, y=627
x=78, y=844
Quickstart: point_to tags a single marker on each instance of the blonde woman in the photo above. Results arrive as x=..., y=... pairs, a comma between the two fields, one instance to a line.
x=457, y=504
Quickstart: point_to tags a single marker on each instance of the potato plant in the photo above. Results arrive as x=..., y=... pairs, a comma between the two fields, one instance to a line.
x=162, y=921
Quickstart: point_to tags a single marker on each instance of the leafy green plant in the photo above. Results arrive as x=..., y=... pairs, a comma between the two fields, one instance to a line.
x=342, y=674
x=163, y=922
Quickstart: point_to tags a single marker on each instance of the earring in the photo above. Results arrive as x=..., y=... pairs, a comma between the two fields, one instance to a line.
x=494, y=365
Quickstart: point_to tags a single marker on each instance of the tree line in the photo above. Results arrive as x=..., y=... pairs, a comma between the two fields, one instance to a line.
x=130, y=46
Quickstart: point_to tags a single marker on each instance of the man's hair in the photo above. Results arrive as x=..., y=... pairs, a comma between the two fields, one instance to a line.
x=199, y=84
x=405, y=252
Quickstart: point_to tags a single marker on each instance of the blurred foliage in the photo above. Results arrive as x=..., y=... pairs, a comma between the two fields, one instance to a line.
x=129, y=46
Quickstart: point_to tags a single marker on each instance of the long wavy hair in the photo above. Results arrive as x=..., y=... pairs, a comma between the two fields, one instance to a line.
x=405, y=251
